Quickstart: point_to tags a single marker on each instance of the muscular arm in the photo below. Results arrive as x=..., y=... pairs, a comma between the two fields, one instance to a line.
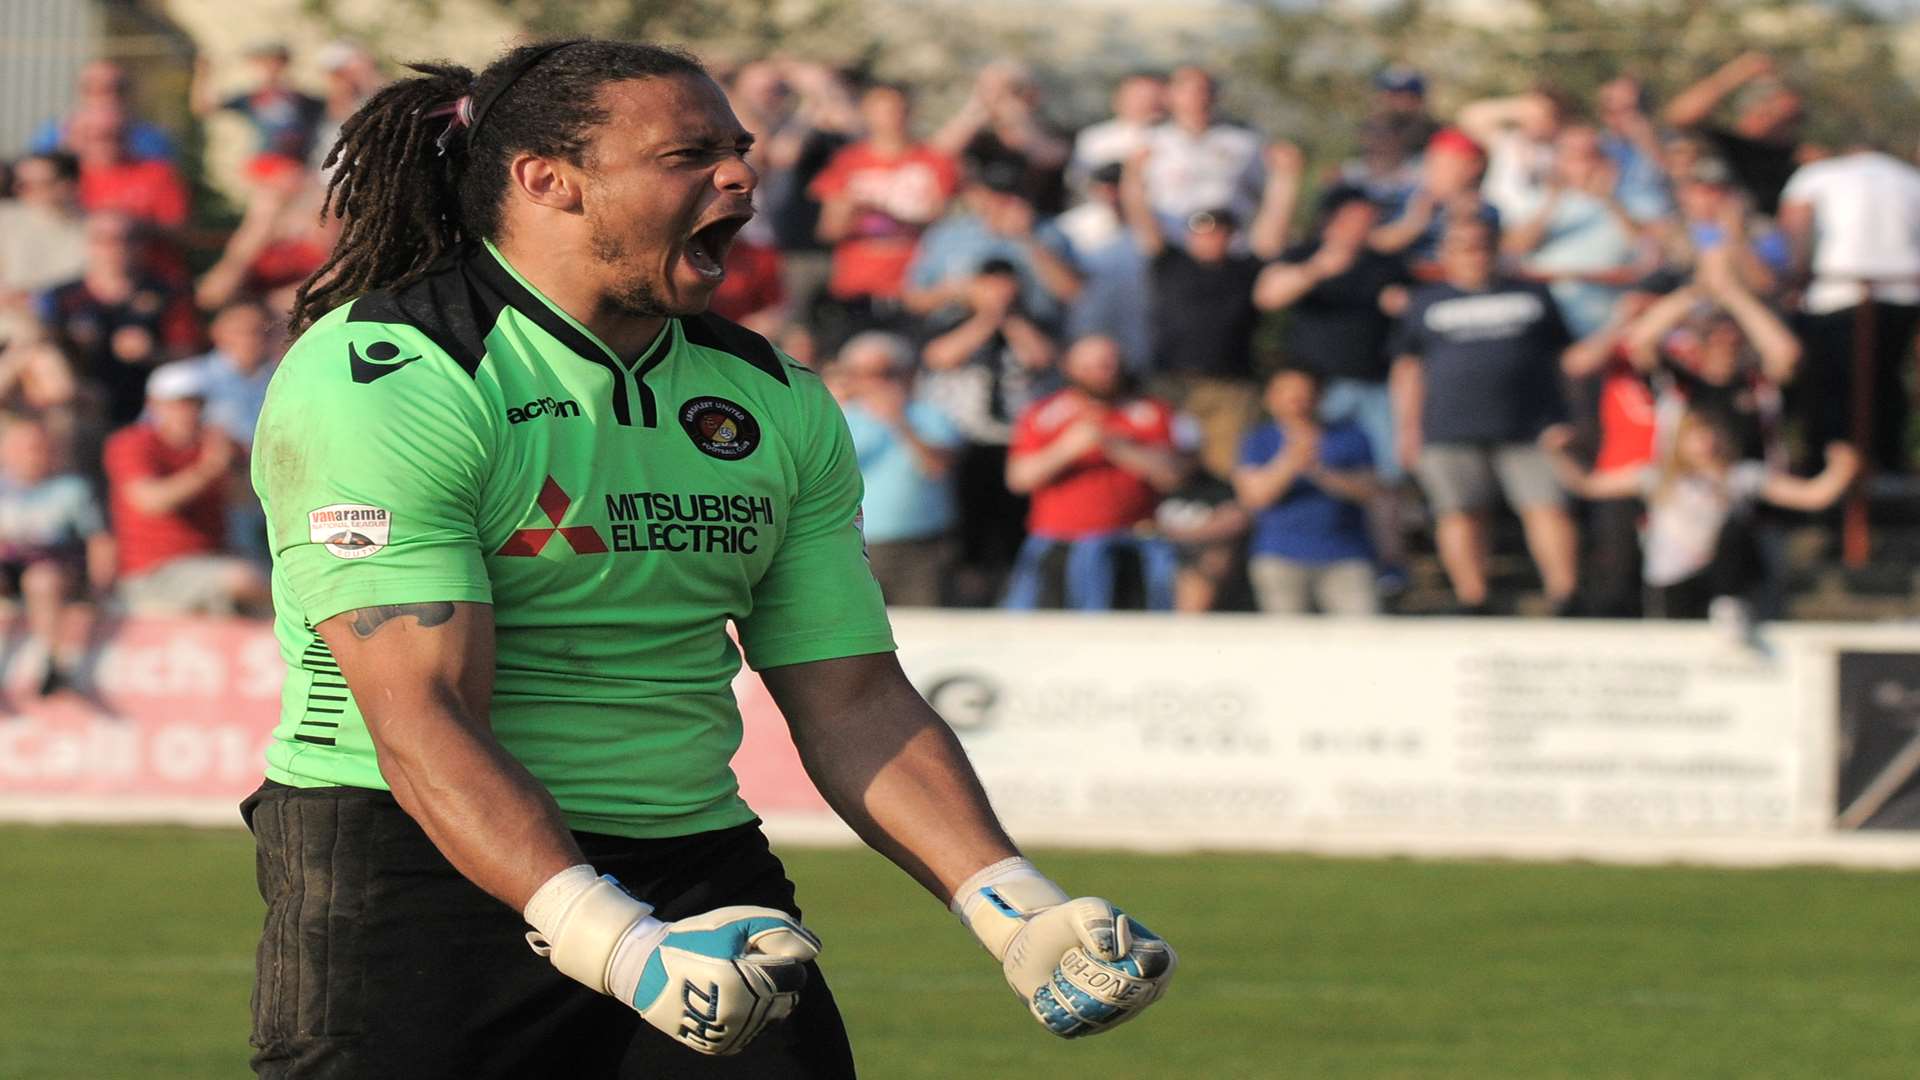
x=890, y=767
x=422, y=675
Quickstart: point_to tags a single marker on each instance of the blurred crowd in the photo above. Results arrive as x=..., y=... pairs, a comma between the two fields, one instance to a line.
x=1155, y=362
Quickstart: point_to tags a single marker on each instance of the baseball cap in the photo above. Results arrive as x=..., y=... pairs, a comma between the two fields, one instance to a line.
x=1452, y=140
x=335, y=55
x=1400, y=79
x=1217, y=218
x=176, y=382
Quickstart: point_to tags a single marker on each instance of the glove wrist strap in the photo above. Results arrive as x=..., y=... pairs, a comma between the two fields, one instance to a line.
x=581, y=924
x=997, y=900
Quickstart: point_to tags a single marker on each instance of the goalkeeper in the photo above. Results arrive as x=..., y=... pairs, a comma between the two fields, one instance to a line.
x=518, y=483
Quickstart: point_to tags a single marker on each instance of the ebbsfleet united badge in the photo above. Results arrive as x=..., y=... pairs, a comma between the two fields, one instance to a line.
x=720, y=428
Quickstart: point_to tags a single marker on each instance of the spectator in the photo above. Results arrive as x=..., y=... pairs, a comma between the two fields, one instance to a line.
x=1113, y=300
x=1001, y=125
x=797, y=141
x=105, y=83
x=148, y=190
x=1577, y=236
x=43, y=237
x=1627, y=416
x=1388, y=168
x=53, y=544
x=167, y=478
x=1400, y=104
x=1701, y=559
x=1632, y=143
x=993, y=221
x=753, y=293
x=282, y=239
x=1096, y=459
x=1762, y=147
x=1714, y=213
x=38, y=380
x=1343, y=297
x=1306, y=486
x=1449, y=191
x=907, y=450
x=1854, y=223
x=985, y=364
x=353, y=75
x=118, y=322
x=1202, y=302
x=876, y=197
x=284, y=120
x=1722, y=350
x=1200, y=164
x=1139, y=106
x=1205, y=523
x=246, y=343
x=1475, y=382
x=1518, y=134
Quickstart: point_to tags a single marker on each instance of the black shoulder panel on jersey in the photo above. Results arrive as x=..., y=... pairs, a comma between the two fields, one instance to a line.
x=714, y=332
x=451, y=306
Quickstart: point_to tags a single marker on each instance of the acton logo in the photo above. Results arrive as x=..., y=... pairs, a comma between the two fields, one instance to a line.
x=720, y=428
x=379, y=361
x=553, y=503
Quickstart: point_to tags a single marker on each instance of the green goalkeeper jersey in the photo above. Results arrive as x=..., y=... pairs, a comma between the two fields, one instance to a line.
x=463, y=439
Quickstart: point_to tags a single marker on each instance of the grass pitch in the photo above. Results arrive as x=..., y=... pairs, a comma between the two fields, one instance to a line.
x=129, y=953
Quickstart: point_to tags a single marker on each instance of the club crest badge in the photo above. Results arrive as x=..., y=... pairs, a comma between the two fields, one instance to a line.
x=719, y=428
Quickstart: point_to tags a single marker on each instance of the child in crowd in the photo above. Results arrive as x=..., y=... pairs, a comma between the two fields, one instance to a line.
x=1700, y=558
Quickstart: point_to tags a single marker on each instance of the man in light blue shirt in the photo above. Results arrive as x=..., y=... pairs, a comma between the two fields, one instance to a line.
x=906, y=453
x=246, y=346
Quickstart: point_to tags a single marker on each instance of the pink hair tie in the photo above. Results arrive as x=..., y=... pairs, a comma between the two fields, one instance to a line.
x=461, y=112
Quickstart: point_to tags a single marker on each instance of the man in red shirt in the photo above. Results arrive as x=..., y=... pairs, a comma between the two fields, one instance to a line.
x=1096, y=458
x=877, y=196
x=149, y=191
x=167, y=477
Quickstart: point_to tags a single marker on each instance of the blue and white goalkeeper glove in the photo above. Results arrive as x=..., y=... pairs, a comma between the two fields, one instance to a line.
x=1082, y=966
x=713, y=981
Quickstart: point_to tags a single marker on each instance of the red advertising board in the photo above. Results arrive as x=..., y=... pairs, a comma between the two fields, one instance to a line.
x=182, y=713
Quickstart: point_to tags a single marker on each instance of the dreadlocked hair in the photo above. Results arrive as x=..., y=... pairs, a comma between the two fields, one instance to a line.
x=410, y=193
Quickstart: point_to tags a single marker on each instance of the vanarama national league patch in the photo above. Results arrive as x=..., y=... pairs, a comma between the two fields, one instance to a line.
x=720, y=428
x=350, y=530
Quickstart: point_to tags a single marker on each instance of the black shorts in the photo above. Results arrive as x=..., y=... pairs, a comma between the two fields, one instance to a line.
x=379, y=960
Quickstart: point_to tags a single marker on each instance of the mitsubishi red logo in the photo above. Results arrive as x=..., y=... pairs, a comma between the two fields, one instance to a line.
x=553, y=502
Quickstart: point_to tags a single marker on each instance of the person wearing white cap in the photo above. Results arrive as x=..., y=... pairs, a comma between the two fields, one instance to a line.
x=167, y=477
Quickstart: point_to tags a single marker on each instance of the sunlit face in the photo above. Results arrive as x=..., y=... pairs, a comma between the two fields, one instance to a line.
x=1699, y=447
x=1292, y=396
x=1140, y=100
x=243, y=335
x=666, y=188
x=1349, y=225
x=26, y=453
x=1191, y=92
x=885, y=111
x=1093, y=365
x=177, y=421
x=1576, y=154
x=1466, y=253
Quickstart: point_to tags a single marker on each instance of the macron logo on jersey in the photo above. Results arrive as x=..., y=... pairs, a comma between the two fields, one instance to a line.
x=379, y=362
x=534, y=410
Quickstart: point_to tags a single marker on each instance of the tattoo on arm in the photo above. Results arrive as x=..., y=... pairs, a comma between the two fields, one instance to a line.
x=369, y=619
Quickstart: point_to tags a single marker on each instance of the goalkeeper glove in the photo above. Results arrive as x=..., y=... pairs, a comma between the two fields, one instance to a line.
x=713, y=981
x=1082, y=966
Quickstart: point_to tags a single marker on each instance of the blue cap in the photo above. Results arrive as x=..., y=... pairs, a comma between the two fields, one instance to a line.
x=1401, y=79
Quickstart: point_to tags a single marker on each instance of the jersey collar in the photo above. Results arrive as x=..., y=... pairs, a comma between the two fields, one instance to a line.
x=565, y=328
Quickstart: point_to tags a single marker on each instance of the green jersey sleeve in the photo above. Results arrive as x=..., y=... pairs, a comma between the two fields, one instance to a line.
x=818, y=599
x=370, y=461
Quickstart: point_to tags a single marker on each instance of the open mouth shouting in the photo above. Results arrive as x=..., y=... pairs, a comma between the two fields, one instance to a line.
x=706, y=249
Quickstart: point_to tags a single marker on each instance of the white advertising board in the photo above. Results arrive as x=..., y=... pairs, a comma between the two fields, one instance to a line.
x=1505, y=737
